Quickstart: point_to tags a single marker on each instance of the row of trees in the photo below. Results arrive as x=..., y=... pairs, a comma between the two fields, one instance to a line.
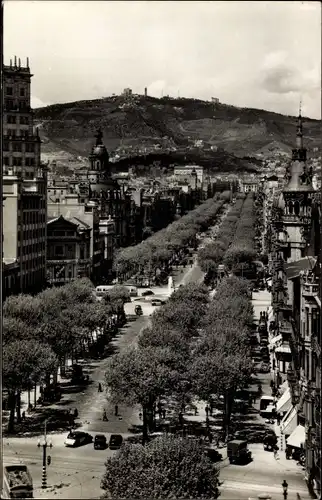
x=40, y=333
x=242, y=249
x=212, y=254
x=161, y=249
x=195, y=347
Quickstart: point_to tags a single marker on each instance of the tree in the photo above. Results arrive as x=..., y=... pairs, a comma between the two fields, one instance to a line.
x=24, y=363
x=15, y=329
x=140, y=376
x=168, y=467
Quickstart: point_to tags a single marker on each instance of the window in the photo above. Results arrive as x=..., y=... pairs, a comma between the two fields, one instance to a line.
x=6, y=160
x=11, y=119
x=24, y=133
x=30, y=148
x=22, y=92
x=9, y=104
x=17, y=147
x=5, y=146
x=59, y=250
x=9, y=90
x=17, y=162
x=24, y=120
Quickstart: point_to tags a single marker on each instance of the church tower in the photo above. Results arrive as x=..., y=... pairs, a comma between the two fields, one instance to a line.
x=296, y=201
x=99, y=175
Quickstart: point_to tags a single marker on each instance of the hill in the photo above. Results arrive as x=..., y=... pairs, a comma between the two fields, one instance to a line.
x=134, y=125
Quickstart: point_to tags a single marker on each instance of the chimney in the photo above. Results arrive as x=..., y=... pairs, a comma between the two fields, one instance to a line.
x=27, y=62
x=15, y=61
x=19, y=62
x=145, y=92
x=10, y=63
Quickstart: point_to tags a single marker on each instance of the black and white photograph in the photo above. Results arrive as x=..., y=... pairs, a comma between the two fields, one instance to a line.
x=161, y=249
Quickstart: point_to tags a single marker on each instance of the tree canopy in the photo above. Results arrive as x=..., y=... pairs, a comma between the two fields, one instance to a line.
x=168, y=467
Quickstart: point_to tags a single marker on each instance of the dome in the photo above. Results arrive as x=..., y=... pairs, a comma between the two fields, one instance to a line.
x=100, y=150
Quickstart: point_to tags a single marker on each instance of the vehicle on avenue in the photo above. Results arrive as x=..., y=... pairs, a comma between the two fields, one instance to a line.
x=270, y=440
x=157, y=302
x=100, y=442
x=115, y=442
x=238, y=452
x=265, y=401
x=17, y=481
x=78, y=438
x=147, y=292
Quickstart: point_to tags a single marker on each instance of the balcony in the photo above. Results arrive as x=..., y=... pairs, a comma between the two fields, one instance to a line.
x=316, y=347
x=310, y=289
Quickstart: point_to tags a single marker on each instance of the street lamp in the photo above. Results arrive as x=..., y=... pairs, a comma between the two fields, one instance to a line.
x=45, y=462
x=285, y=486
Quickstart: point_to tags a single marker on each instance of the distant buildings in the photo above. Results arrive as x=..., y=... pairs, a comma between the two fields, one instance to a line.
x=24, y=187
x=250, y=185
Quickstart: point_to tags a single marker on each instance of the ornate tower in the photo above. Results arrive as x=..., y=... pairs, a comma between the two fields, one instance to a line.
x=99, y=175
x=296, y=200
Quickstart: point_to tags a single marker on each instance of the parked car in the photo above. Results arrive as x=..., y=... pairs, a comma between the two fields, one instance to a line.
x=213, y=454
x=146, y=293
x=100, y=442
x=78, y=438
x=238, y=451
x=115, y=442
x=157, y=302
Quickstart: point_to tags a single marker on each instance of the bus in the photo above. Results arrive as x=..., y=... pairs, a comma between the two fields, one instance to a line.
x=17, y=482
x=101, y=290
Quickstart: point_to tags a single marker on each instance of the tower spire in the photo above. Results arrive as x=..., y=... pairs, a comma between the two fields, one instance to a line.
x=299, y=129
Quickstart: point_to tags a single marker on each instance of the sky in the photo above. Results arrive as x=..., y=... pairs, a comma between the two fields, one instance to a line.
x=257, y=54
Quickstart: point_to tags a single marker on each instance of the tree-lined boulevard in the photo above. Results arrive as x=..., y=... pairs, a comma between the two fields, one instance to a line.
x=182, y=378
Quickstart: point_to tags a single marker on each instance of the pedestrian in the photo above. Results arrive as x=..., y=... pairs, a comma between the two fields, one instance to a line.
x=278, y=418
x=163, y=414
x=99, y=387
x=180, y=419
x=207, y=410
x=210, y=437
x=23, y=416
x=271, y=384
x=75, y=413
x=196, y=411
x=116, y=410
x=140, y=416
x=276, y=448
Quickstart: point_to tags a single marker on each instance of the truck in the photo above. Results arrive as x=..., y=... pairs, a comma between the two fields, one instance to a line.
x=17, y=482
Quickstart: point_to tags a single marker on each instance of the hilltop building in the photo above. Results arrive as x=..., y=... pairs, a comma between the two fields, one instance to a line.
x=24, y=187
x=296, y=300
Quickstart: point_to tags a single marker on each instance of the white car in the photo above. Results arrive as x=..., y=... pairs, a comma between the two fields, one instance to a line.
x=77, y=438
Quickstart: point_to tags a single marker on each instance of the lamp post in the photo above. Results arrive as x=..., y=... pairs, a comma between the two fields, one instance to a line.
x=285, y=486
x=44, y=445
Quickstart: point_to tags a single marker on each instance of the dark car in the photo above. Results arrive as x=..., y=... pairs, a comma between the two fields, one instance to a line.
x=147, y=293
x=238, y=452
x=100, y=442
x=116, y=441
x=157, y=302
x=78, y=438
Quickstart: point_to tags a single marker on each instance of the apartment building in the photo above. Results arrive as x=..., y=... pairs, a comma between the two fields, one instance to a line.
x=68, y=251
x=296, y=301
x=24, y=183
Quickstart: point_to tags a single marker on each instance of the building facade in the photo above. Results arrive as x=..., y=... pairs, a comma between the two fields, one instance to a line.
x=24, y=182
x=296, y=299
x=68, y=254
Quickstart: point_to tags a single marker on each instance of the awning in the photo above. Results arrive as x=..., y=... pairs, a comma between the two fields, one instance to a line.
x=297, y=438
x=276, y=339
x=283, y=349
x=283, y=387
x=289, y=421
x=285, y=402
